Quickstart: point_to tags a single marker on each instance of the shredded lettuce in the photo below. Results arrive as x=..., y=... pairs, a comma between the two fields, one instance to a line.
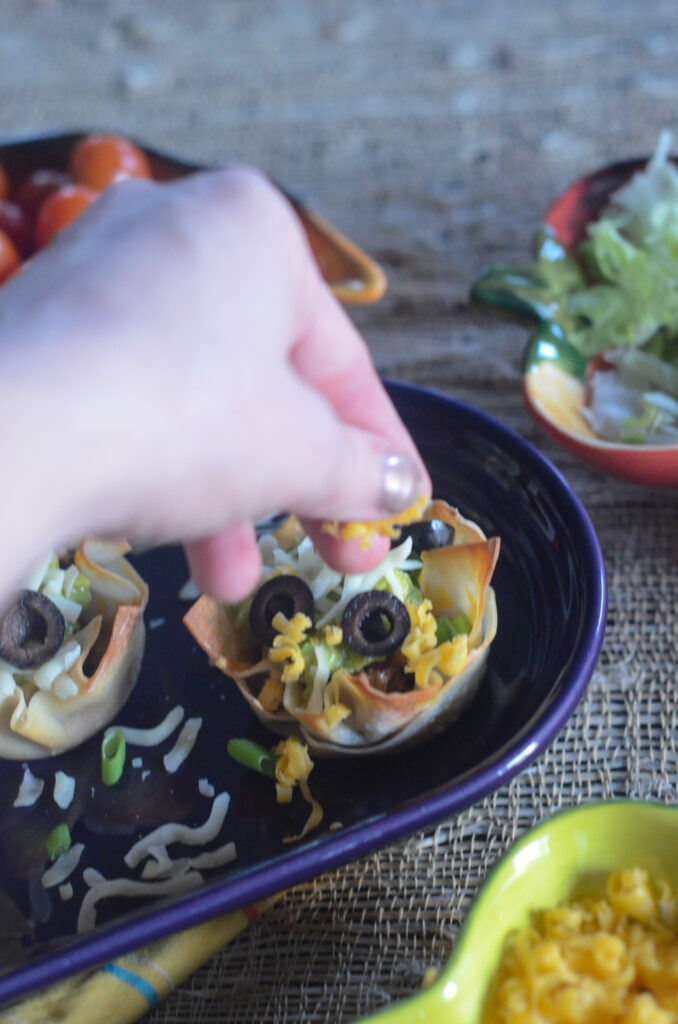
x=616, y=295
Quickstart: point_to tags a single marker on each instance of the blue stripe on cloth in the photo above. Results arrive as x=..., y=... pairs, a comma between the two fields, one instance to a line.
x=135, y=980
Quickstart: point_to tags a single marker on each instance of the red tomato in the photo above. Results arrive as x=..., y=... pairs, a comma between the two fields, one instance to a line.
x=59, y=209
x=37, y=187
x=10, y=261
x=4, y=183
x=15, y=223
x=99, y=160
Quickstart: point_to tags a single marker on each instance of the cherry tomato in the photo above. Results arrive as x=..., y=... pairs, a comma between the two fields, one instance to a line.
x=4, y=183
x=37, y=187
x=59, y=209
x=15, y=223
x=10, y=261
x=99, y=160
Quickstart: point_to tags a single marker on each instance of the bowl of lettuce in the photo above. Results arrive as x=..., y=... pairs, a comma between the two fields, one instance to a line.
x=601, y=365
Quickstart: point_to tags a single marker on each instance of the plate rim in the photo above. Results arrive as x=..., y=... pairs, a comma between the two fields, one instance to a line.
x=335, y=849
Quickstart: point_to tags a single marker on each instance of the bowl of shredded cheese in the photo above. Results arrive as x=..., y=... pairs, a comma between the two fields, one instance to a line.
x=577, y=923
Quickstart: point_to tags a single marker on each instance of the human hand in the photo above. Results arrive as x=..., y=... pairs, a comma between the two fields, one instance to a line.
x=195, y=374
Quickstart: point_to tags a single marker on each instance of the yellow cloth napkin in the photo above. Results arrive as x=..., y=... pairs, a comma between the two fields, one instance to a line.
x=124, y=990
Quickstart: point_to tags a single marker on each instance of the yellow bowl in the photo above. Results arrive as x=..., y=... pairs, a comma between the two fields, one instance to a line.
x=565, y=856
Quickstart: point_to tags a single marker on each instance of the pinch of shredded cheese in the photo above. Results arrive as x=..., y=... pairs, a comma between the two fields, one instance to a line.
x=291, y=633
x=293, y=767
x=611, y=959
x=365, y=532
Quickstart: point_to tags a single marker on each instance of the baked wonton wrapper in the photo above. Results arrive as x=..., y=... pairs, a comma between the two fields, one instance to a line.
x=456, y=579
x=37, y=723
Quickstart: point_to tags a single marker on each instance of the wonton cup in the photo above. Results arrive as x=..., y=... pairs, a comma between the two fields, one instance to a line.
x=37, y=723
x=456, y=579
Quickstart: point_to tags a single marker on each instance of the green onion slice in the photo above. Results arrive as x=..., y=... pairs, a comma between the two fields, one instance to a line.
x=58, y=841
x=113, y=750
x=448, y=627
x=253, y=756
x=461, y=624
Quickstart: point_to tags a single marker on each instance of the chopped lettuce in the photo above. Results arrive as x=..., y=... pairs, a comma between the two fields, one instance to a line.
x=635, y=293
x=617, y=295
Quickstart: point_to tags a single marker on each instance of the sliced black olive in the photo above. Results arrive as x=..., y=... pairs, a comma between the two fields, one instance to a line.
x=375, y=623
x=426, y=534
x=287, y=594
x=31, y=630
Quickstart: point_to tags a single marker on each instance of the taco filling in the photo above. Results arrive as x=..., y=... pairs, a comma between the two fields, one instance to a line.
x=71, y=644
x=365, y=662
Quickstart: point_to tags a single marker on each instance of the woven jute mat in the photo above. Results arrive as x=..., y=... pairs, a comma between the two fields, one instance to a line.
x=435, y=134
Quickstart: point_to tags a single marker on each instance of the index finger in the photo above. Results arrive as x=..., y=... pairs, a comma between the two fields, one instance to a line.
x=331, y=356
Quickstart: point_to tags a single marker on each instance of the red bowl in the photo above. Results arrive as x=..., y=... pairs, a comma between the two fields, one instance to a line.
x=555, y=397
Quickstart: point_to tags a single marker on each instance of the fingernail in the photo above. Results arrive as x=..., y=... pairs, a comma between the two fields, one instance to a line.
x=402, y=482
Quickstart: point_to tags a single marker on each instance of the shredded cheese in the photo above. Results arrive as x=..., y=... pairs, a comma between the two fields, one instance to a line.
x=333, y=635
x=422, y=636
x=65, y=687
x=64, y=660
x=293, y=767
x=7, y=684
x=63, y=867
x=285, y=649
x=366, y=532
x=64, y=790
x=293, y=629
x=611, y=958
x=271, y=693
x=320, y=677
x=163, y=866
x=102, y=888
x=335, y=714
x=174, y=832
x=30, y=789
x=423, y=658
x=174, y=758
x=156, y=735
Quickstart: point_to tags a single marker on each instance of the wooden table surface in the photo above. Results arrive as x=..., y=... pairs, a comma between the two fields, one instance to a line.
x=435, y=135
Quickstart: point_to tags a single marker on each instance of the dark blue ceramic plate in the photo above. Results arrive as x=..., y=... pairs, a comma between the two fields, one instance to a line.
x=550, y=587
